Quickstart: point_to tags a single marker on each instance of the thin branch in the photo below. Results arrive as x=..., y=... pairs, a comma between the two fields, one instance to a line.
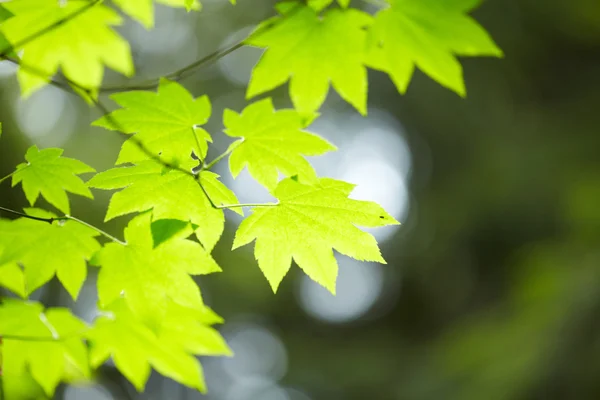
x=47, y=29
x=204, y=61
x=7, y=176
x=20, y=214
x=63, y=218
x=179, y=74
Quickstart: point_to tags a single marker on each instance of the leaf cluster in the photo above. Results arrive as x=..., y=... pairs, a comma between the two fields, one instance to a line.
x=150, y=309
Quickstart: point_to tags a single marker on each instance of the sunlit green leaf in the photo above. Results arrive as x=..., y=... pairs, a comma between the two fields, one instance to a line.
x=135, y=348
x=78, y=42
x=49, y=360
x=272, y=142
x=45, y=249
x=171, y=194
x=311, y=51
x=167, y=122
x=143, y=10
x=47, y=173
x=308, y=223
x=428, y=34
x=147, y=276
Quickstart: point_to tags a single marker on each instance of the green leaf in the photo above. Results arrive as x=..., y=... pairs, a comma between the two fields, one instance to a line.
x=12, y=276
x=62, y=46
x=319, y=5
x=147, y=276
x=190, y=327
x=49, y=174
x=48, y=360
x=167, y=229
x=5, y=46
x=312, y=50
x=143, y=10
x=308, y=223
x=171, y=194
x=273, y=142
x=135, y=348
x=167, y=122
x=428, y=34
x=45, y=249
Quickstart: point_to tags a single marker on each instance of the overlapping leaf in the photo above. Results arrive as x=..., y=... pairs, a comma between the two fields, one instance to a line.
x=312, y=50
x=143, y=10
x=77, y=38
x=167, y=122
x=308, y=223
x=319, y=5
x=44, y=249
x=5, y=46
x=48, y=361
x=171, y=194
x=135, y=348
x=49, y=174
x=149, y=276
x=272, y=142
x=428, y=34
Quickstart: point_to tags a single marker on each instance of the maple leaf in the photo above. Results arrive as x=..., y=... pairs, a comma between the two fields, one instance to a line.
x=167, y=122
x=272, y=142
x=45, y=249
x=135, y=348
x=143, y=10
x=311, y=50
x=171, y=194
x=308, y=222
x=5, y=46
x=61, y=46
x=49, y=174
x=428, y=34
x=319, y=5
x=147, y=275
x=12, y=277
x=48, y=359
x=191, y=328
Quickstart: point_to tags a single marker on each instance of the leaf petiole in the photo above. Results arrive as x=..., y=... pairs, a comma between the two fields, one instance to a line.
x=247, y=205
x=100, y=231
x=6, y=177
x=232, y=147
x=223, y=206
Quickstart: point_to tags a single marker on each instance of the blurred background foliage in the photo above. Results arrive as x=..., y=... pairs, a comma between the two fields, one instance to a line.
x=492, y=288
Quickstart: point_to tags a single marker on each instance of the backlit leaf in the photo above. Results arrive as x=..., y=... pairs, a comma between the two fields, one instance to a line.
x=171, y=194
x=44, y=250
x=428, y=34
x=143, y=10
x=48, y=360
x=47, y=173
x=308, y=223
x=135, y=348
x=311, y=51
x=147, y=276
x=272, y=142
x=80, y=42
x=167, y=122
